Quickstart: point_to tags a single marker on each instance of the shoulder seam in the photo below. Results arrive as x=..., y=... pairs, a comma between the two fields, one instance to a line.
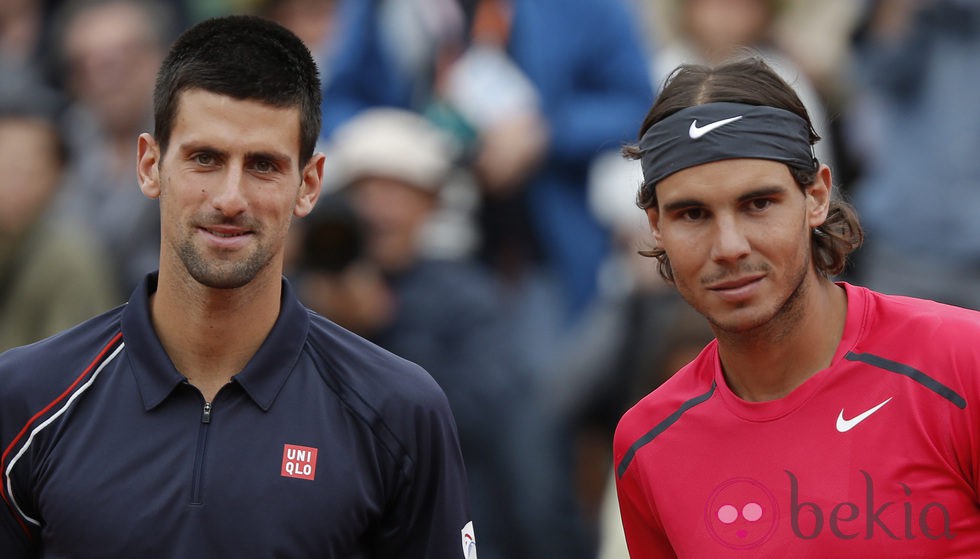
x=382, y=437
x=918, y=376
x=660, y=428
x=77, y=387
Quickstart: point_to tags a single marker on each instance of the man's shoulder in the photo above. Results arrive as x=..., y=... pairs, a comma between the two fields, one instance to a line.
x=921, y=338
x=356, y=367
x=911, y=317
x=405, y=408
x=688, y=382
x=693, y=384
x=37, y=373
x=56, y=354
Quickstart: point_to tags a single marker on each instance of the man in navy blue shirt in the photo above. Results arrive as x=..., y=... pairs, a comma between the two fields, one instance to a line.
x=213, y=415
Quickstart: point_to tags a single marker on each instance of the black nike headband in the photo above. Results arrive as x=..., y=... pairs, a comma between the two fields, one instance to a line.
x=716, y=131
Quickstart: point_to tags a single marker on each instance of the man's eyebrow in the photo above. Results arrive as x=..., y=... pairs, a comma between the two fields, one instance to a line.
x=686, y=203
x=762, y=193
x=193, y=147
x=682, y=205
x=280, y=158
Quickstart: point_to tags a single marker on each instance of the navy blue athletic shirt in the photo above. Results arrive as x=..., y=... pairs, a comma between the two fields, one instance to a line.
x=323, y=446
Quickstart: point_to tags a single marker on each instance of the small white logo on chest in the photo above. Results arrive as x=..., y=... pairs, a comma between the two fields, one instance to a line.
x=845, y=425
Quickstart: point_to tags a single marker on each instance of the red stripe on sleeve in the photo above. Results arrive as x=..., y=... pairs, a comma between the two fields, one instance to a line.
x=20, y=435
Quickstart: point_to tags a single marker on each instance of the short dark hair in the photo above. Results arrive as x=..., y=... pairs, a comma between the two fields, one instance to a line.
x=244, y=57
x=752, y=82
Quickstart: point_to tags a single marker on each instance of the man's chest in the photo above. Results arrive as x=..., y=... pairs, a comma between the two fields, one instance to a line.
x=849, y=471
x=181, y=478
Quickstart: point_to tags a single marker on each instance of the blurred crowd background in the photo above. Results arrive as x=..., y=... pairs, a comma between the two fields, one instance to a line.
x=477, y=217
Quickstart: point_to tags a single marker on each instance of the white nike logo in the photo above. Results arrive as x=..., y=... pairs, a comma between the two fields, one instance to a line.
x=696, y=132
x=845, y=425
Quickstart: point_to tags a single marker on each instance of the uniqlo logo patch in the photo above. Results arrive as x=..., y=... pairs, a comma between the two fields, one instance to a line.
x=298, y=461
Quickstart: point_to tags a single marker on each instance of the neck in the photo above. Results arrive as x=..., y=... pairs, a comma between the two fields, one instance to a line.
x=211, y=334
x=771, y=361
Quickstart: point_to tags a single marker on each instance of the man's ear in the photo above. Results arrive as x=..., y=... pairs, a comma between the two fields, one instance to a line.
x=653, y=218
x=818, y=197
x=311, y=185
x=147, y=165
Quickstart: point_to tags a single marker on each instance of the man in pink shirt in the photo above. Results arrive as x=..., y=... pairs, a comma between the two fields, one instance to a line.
x=825, y=419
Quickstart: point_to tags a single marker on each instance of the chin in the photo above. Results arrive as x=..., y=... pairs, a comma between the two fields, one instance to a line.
x=224, y=277
x=222, y=274
x=223, y=283
x=739, y=321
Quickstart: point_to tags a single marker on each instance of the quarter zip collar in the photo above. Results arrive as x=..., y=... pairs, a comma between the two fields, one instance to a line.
x=263, y=376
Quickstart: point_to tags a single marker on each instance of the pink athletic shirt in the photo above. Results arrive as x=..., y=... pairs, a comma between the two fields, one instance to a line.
x=875, y=456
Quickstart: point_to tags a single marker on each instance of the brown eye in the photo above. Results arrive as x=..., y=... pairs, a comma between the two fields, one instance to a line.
x=692, y=214
x=263, y=166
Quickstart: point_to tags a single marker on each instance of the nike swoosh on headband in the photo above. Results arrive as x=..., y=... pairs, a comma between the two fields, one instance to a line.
x=764, y=132
x=695, y=132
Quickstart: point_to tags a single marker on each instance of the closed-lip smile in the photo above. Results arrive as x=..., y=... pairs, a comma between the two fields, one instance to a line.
x=735, y=283
x=738, y=290
x=226, y=237
x=224, y=231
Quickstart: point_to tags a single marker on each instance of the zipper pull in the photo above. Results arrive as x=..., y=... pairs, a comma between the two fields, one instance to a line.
x=206, y=418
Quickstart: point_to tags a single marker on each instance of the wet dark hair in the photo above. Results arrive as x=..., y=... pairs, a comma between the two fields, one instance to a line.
x=750, y=81
x=244, y=57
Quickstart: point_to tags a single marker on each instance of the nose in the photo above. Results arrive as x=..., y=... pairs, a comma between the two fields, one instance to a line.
x=730, y=243
x=229, y=198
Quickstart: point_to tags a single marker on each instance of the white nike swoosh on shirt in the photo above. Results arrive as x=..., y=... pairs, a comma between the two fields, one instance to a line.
x=695, y=132
x=845, y=425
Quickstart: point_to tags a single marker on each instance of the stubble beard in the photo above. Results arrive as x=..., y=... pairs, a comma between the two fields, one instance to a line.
x=223, y=275
x=775, y=324
x=219, y=273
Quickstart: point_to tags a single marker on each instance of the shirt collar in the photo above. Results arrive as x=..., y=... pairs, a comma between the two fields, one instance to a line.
x=263, y=376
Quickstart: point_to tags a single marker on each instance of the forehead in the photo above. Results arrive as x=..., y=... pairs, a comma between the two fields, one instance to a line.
x=212, y=118
x=721, y=181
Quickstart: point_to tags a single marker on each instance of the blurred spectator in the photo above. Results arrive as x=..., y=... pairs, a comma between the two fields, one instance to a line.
x=52, y=275
x=442, y=313
x=680, y=337
x=712, y=31
x=194, y=11
x=110, y=51
x=817, y=37
x=386, y=55
x=313, y=21
x=333, y=274
x=637, y=334
x=626, y=344
x=25, y=38
x=534, y=90
x=536, y=87
x=918, y=123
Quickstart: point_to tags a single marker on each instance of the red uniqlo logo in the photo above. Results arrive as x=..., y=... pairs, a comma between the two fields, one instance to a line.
x=298, y=461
